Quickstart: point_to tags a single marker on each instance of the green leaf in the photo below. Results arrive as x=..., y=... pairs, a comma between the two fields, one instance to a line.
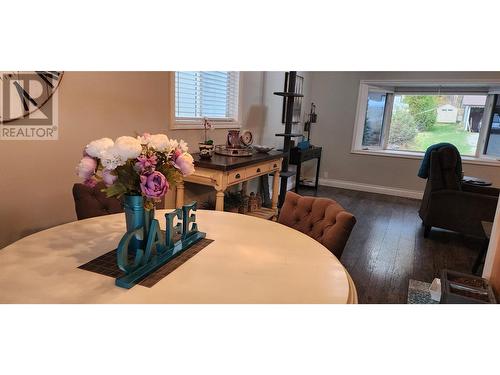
x=115, y=190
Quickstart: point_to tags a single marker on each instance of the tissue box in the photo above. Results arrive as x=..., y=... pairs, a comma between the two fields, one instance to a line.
x=435, y=290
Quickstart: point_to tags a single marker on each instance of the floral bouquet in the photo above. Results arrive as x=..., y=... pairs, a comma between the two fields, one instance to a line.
x=144, y=166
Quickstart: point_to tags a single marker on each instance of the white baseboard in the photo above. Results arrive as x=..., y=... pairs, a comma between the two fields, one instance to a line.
x=351, y=185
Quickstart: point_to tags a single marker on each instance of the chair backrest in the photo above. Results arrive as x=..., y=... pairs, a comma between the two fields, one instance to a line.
x=320, y=218
x=443, y=170
x=91, y=202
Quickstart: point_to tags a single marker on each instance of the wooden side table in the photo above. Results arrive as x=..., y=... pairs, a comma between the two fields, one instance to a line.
x=298, y=156
x=221, y=172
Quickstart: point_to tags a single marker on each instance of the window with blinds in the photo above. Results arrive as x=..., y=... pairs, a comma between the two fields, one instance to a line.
x=206, y=94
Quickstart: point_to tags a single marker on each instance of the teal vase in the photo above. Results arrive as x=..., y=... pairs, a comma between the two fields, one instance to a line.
x=136, y=216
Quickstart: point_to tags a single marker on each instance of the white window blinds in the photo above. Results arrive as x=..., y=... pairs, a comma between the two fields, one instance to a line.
x=206, y=94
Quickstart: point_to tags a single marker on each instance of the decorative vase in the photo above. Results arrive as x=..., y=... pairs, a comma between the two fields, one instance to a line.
x=206, y=150
x=136, y=216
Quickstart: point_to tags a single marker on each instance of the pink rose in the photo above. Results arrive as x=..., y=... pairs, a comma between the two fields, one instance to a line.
x=154, y=185
x=185, y=163
x=176, y=154
x=90, y=182
x=86, y=168
x=108, y=177
x=146, y=164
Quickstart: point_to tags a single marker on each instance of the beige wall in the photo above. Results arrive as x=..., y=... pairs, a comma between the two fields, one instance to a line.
x=37, y=176
x=336, y=95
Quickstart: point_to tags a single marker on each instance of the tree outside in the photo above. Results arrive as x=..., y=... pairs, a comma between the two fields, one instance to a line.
x=419, y=121
x=423, y=109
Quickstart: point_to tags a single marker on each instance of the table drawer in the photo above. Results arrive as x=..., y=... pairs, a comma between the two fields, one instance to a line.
x=274, y=165
x=256, y=170
x=316, y=152
x=236, y=176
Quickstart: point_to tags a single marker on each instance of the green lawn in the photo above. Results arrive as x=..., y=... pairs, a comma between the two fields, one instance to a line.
x=452, y=133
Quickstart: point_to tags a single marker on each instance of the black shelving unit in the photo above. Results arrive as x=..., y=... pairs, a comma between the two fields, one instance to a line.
x=289, y=95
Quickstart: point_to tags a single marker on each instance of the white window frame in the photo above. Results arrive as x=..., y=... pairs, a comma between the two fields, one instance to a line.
x=178, y=124
x=489, y=87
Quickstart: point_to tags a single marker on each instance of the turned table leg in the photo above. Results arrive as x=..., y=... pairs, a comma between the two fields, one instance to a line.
x=179, y=196
x=219, y=200
x=276, y=188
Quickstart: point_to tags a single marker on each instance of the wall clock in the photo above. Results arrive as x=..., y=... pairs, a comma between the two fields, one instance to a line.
x=22, y=93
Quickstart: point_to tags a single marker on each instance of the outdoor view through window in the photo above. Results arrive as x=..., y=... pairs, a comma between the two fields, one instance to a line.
x=419, y=121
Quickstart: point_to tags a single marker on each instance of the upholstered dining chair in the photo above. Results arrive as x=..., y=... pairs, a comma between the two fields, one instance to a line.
x=91, y=202
x=320, y=218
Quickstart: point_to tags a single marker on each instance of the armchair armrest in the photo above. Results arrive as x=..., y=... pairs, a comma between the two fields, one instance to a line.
x=461, y=211
x=484, y=190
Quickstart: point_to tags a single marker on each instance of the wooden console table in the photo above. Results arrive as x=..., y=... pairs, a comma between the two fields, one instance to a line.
x=221, y=172
x=298, y=156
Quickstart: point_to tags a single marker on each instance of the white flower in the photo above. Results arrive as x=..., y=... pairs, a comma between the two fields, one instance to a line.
x=127, y=147
x=159, y=142
x=97, y=147
x=111, y=159
x=144, y=139
x=183, y=146
x=174, y=144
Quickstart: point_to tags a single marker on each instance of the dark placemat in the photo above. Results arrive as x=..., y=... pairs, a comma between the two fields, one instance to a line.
x=106, y=264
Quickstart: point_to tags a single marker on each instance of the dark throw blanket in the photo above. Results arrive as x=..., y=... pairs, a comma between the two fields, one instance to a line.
x=423, y=172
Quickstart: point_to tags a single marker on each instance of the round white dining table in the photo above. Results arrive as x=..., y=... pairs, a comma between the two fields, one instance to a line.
x=251, y=260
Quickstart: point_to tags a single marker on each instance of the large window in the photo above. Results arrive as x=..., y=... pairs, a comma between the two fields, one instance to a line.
x=407, y=119
x=206, y=94
x=372, y=134
x=493, y=140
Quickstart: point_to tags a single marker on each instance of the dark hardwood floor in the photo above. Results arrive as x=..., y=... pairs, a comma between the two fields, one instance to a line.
x=387, y=246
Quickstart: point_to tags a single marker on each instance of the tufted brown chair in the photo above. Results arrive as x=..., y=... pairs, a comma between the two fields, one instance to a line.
x=320, y=218
x=91, y=202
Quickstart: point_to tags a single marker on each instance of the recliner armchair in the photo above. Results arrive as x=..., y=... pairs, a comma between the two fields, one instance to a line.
x=449, y=203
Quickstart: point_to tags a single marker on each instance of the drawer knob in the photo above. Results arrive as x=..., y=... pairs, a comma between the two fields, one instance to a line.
x=258, y=170
x=237, y=175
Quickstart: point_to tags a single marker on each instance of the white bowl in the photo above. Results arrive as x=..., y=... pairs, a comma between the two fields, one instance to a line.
x=435, y=290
